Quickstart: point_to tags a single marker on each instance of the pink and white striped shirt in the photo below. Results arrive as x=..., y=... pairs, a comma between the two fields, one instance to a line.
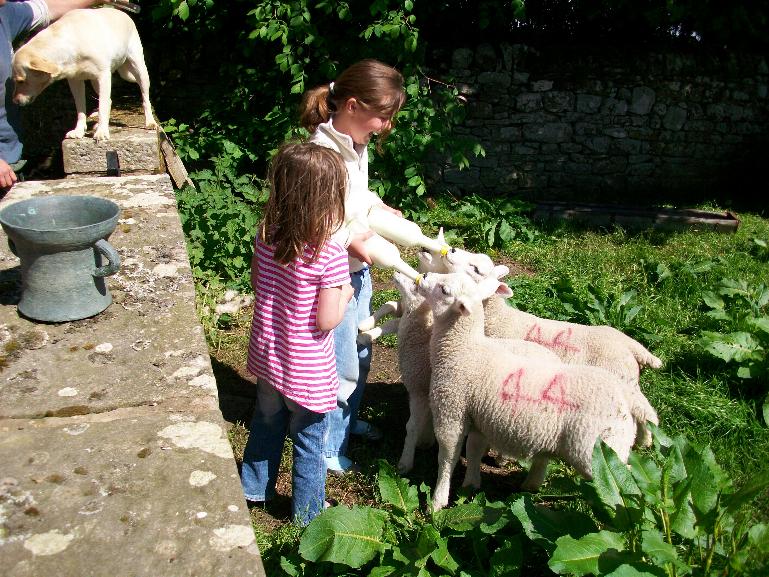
x=286, y=349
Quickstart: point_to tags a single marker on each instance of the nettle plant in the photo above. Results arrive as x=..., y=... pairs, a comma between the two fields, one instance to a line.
x=742, y=315
x=671, y=511
x=595, y=306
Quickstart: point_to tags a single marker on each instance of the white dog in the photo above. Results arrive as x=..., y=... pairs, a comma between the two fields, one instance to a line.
x=87, y=44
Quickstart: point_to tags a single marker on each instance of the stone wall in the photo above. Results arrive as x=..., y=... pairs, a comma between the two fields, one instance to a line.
x=592, y=125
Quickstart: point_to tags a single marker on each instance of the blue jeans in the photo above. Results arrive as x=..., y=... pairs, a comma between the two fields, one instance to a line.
x=352, y=365
x=274, y=416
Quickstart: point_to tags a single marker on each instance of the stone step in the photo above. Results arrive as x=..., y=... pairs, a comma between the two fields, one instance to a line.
x=137, y=150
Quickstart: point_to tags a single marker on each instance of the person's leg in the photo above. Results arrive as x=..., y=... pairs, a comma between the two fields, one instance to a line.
x=348, y=369
x=261, y=457
x=363, y=352
x=308, y=478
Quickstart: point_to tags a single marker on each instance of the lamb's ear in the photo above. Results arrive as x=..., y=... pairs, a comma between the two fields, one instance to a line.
x=425, y=261
x=441, y=238
x=504, y=291
x=500, y=271
x=491, y=286
x=464, y=304
x=43, y=65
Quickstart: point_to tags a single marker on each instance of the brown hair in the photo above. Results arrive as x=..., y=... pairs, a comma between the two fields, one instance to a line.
x=375, y=85
x=308, y=184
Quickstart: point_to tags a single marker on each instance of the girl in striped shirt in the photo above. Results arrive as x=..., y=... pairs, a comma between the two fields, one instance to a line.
x=302, y=286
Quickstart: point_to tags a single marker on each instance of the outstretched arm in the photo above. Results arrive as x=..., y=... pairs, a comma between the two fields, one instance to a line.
x=58, y=8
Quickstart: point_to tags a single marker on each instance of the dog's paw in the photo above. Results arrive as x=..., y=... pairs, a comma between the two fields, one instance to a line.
x=101, y=134
x=75, y=133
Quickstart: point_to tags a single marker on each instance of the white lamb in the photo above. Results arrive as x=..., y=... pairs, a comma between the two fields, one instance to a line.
x=524, y=407
x=598, y=346
x=414, y=333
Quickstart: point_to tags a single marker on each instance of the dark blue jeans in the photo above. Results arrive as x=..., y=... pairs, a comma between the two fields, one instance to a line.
x=274, y=417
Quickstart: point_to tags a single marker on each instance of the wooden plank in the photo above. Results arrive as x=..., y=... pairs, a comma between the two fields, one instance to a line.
x=174, y=165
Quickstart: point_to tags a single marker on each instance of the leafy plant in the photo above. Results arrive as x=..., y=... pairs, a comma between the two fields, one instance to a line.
x=399, y=539
x=495, y=222
x=220, y=230
x=670, y=512
x=673, y=512
x=761, y=248
x=596, y=307
x=743, y=315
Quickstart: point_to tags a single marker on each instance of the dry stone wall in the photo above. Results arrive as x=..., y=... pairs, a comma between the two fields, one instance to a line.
x=607, y=125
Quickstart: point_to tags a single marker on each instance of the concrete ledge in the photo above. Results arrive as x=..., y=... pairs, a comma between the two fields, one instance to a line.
x=114, y=452
x=137, y=150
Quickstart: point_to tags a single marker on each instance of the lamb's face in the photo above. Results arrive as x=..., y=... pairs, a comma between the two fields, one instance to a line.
x=408, y=290
x=452, y=291
x=477, y=265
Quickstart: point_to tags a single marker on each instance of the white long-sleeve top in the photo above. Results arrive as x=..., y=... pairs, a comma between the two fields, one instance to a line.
x=359, y=198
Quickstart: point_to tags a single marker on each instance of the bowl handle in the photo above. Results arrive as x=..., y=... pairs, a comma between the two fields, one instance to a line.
x=111, y=255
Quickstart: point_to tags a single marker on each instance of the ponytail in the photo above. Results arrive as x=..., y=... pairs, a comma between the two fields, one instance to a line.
x=316, y=107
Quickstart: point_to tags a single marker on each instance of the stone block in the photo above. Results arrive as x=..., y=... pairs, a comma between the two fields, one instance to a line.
x=642, y=100
x=137, y=149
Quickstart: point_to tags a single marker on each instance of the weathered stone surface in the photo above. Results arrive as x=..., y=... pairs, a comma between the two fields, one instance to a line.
x=137, y=150
x=674, y=118
x=642, y=100
x=114, y=450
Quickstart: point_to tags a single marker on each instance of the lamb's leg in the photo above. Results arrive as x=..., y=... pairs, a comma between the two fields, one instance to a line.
x=389, y=308
x=365, y=338
x=104, y=84
x=77, y=88
x=536, y=475
x=449, y=447
x=419, y=408
x=475, y=449
x=642, y=412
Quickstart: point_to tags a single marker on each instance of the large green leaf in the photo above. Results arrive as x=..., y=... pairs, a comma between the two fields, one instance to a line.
x=614, y=485
x=682, y=517
x=463, y=517
x=395, y=490
x=496, y=515
x=758, y=536
x=737, y=347
x=708, y=480
x=442, y=558
x=713, y=300
x=653, y=544
x=647, y=476
x=544, y=526
x=761, y=323
x=351, y=537
x=507, y=561
x=637, y=570
x=582, y=556
x=746, y=494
